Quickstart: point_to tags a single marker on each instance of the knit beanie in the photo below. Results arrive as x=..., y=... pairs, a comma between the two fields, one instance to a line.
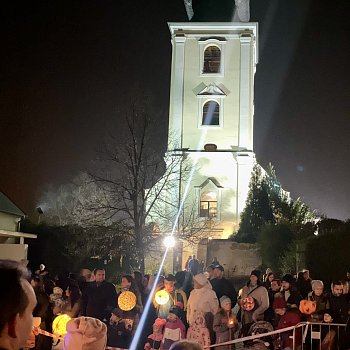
x=316, y=284
x=288, y=278
x=279, y=303
x=201, y=279
x=224, y=299
x=85, y=333
x=256, y=273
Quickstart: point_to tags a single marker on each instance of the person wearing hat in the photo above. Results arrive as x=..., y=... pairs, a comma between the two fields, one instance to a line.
x=85, y=333
x=222, y=286
x=287, y=317
x=174, y=329
x=258, y=292
x=289, y=291
x=225, y=323
x=202, y=298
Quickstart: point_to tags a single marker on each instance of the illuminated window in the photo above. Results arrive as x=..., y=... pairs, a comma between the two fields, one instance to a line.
x=211, y=113
x=212, y=57
x=208, y=205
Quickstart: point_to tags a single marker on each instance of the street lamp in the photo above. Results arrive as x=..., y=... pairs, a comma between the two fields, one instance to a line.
x=169, y=242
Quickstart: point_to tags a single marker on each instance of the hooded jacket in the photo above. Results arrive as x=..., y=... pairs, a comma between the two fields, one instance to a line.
x=201, y=300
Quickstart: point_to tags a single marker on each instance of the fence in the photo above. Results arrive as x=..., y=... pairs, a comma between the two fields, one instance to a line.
x=305, y=335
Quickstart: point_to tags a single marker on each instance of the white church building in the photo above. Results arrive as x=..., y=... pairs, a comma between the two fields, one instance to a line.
x=211, y=119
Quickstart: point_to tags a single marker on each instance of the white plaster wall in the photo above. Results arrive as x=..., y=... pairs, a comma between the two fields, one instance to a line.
x=238, y=259
x=8, y=222
x=227, y=135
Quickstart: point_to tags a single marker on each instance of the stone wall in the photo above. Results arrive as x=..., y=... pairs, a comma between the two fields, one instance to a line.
x=238, y=259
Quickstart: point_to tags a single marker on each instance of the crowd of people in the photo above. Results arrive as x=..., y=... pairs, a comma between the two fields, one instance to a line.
x=202, y=307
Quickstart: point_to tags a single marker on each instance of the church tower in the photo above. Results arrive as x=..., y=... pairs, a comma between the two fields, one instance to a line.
x=211, y=118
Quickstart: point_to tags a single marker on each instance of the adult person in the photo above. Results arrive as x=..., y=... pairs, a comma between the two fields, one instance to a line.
x=210, y=272
x=222, y=286
x=270, y=277
x=272, y=291
x=258, y=292
x=17, y=302
x=194, y=265
x=72, y=304
x=339, y=306
x=128, y=284
x=44, y=311
x=289, y=291
x=175, y=296
x=99, y=297
x=320, y=298
x=202, y=299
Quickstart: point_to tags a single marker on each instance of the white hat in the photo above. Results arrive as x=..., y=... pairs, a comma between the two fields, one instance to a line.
x=85, y=333
x=201, y=279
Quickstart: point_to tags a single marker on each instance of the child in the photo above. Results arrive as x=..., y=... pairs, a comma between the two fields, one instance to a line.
x=198, y=332
x=225, y=323
x=154, y=339
x=121, y=328
x=287, y=317
x=56, y=300
x=174, y=329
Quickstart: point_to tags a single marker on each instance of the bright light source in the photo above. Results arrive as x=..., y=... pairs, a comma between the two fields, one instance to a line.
x=169, y=242
x=162, y=297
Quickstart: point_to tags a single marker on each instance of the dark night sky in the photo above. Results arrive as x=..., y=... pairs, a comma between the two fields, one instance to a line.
x=68, y=68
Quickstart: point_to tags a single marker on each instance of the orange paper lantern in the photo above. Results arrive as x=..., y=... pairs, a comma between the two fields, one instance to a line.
x=248, y=303
x=307, y=307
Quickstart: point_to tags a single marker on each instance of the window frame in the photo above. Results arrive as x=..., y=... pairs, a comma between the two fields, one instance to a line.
x=208, y=210
x=202, y=100
x=203, y=45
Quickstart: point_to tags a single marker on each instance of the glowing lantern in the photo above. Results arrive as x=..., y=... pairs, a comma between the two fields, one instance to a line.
x=248, y=303
x=59, y=325
x=127, y=301
x=162, y=297
x=307, y=307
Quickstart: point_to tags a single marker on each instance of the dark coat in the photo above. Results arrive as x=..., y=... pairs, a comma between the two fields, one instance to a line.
x=339, y=308
x=99, y=300
x=224, y=287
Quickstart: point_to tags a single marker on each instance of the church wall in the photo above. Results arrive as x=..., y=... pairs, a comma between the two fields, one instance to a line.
x=227, y=135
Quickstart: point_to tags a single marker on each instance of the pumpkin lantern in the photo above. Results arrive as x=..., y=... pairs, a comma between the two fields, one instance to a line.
x=162, y=297
x=127, y=301
x=307, y=307
x=59, y=325
x=248, y=303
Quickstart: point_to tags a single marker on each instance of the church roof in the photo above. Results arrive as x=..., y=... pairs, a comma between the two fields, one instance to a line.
x=7, y=206
x=213, y=180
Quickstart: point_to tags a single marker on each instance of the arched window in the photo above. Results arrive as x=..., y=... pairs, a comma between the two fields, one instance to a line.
x=212, y=57
x=208, y=206
x=211, y=113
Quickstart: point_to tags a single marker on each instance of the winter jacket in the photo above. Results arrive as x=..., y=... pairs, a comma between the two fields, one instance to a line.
x=223, y=287
x=339, y=308
x=99, y=300
x=222, y=331
x=198, y=332
x=178, y=295
x=259, y=293
x=173, y=332
x=201, y=300
x=322, y=307
x=290, y=318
